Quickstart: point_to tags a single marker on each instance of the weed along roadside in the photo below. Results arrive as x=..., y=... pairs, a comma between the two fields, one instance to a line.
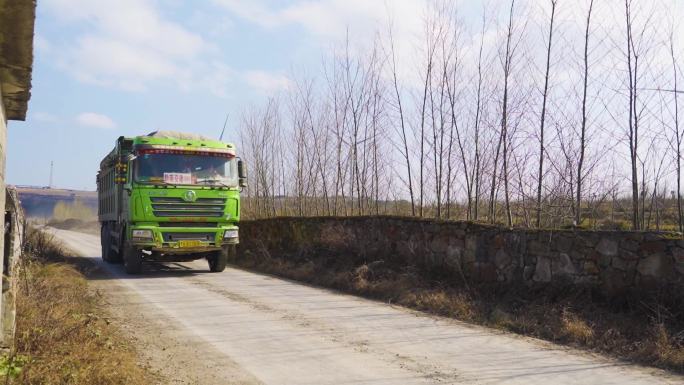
x=63, y=335
x=619, y=293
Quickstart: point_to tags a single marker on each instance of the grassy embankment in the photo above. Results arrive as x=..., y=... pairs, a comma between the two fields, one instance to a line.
x=63, y=335
x=648, y=330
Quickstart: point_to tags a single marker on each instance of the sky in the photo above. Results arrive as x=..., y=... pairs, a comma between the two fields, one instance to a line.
x=106, y=68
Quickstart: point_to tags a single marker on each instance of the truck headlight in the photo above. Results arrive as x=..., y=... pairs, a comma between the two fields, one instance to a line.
x=230, y=234
x=142, y=234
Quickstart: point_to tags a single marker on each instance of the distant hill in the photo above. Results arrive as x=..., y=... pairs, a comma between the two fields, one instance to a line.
x=40, y=202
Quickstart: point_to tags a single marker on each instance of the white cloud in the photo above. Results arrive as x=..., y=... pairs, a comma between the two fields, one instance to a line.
x=329, y=22
x=95, y=120
x=267, y=82
x=332, y=18
x=128, y=44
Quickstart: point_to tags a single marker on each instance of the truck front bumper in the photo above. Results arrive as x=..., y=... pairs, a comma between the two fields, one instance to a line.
x=182, y=240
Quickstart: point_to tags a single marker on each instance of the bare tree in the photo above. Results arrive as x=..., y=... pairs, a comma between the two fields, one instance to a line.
x=402, y=122
x=545, y=94
x=583, y=128
x=463, y=141
x=259, y=140
x=431, y=46
x=633, y=124
x=503, y=133
x=677, y=133
x=478, y=110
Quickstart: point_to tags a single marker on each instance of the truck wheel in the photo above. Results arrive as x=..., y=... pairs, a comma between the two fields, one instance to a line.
x=105, y=242
x=219, y=259
x=132, y=259
x=108, y=254
x=114, y=256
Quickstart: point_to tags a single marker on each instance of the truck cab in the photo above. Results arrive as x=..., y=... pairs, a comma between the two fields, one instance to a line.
x=170, y=197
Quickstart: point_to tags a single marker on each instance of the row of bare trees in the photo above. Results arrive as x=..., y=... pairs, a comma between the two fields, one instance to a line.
x=541, y=113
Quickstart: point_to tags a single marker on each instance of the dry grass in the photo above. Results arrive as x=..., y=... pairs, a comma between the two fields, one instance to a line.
x=62, y=333
x=576, y=328
x=651, y=335
x=456, y=305
x=668, y=348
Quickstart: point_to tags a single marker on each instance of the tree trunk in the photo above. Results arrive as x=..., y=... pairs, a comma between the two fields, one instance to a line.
x=540, y=175
x=580, y=163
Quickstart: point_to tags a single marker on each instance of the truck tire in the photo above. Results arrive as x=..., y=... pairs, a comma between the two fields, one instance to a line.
x=132, y=259
x=105, y=242
x=114, y=256
x=219, y=259
x=108, y=254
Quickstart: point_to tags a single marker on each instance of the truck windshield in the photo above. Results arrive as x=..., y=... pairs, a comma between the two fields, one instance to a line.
x=186, y=169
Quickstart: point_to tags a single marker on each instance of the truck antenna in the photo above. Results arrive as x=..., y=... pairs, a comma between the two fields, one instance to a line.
x=224, y=127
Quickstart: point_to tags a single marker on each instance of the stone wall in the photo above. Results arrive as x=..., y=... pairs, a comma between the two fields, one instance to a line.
x=611, y=261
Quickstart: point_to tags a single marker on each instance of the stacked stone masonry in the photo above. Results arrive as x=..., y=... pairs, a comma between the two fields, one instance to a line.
x=612, y=261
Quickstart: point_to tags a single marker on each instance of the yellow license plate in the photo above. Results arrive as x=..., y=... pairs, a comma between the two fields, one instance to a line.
x=185, y=244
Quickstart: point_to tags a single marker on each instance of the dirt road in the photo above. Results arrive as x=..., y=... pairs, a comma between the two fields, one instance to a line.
x=242, y=327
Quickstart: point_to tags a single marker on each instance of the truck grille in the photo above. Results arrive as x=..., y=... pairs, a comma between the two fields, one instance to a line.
x=177, y=207
x=175, y=237
x=188, y=224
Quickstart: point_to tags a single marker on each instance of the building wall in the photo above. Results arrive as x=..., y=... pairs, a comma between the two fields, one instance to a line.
x=17, y=19
x=14, y=236
x=3, y=147
x=612, y=262
x=3, y=157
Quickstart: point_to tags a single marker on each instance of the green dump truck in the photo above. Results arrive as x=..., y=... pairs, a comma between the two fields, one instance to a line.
x=169, y=197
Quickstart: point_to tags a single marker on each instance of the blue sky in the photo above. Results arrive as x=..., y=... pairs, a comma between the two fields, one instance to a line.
x=106, y=68
x=124, y=67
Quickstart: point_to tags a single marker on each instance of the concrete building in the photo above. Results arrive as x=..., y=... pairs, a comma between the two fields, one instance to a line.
x=17, y=19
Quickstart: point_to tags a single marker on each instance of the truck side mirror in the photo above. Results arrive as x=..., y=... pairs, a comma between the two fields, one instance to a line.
x=242, y=173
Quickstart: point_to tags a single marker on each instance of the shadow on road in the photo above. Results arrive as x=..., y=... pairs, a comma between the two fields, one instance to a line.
x=95, y=269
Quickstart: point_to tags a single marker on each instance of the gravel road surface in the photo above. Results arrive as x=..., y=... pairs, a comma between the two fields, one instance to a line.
x=241, y=327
